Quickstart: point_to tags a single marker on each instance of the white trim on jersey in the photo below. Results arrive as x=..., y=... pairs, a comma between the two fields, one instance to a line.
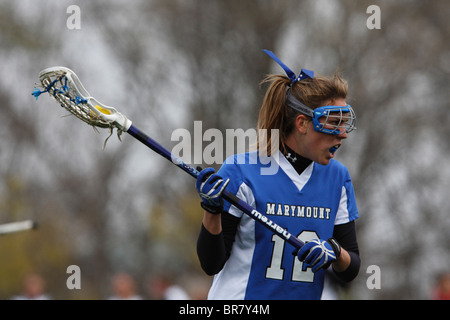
x=299, y=180
x=342, y=215
x=236, y=270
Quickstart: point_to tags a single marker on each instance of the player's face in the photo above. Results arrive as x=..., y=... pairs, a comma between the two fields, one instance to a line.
x=316, y=145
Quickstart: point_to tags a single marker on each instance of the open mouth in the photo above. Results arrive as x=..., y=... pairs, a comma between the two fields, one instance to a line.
x=334, y=148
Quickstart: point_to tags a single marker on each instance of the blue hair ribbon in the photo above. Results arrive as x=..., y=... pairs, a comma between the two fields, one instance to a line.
x=304, y=74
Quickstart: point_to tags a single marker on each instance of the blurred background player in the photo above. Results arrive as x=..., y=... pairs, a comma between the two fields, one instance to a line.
x=442, y=288
x=34, y=287
x=163, y=287
x=124, y=288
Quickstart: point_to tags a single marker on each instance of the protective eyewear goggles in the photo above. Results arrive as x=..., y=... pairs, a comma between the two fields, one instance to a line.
x=326, y=119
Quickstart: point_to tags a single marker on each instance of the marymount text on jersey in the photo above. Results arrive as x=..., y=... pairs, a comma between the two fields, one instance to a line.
x=298, y=211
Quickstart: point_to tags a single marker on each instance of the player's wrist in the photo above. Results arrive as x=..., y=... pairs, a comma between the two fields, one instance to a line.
x=335, y=246
x=212, y=223
x=212, y=209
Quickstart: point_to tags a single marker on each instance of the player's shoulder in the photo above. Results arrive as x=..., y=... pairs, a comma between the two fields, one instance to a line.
x=337, y=165
x=334, y=168
x=242, y=158
x=241, y=165
x=243, y=162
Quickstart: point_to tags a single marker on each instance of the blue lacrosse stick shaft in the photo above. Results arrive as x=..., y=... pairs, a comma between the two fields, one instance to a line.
x=228, y=196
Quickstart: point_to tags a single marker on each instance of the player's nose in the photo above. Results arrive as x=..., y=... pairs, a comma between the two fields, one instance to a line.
x=342, y=133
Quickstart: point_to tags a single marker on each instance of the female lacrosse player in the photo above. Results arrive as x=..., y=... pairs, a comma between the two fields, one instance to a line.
x=311, y=195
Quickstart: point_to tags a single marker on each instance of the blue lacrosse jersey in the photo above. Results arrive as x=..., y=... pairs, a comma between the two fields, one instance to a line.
x=262, y=265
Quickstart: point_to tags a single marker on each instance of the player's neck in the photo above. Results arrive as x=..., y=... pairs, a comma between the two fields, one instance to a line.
x=299, y=162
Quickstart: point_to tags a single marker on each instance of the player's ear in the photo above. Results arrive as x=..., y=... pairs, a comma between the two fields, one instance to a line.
x=301, y=123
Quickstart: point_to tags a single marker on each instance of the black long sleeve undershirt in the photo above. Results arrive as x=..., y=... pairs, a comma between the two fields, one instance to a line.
x=214, y=250
x=345, y=234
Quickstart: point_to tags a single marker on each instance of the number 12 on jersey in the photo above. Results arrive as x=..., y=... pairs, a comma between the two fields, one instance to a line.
x=275, y=270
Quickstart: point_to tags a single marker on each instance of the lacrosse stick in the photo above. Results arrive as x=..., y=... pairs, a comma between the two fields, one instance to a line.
x=64, y=86
x=13, y=227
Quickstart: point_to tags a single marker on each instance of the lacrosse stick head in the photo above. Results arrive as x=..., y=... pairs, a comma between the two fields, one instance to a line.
x=65, y=87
